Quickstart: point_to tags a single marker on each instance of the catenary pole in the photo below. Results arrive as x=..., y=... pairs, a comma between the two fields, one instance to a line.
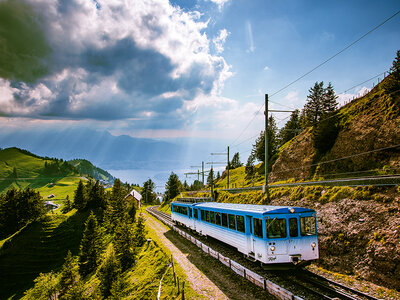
x=266, y=142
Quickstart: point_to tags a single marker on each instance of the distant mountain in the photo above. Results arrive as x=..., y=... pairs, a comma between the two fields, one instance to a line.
x=101, y=148
x=85, y=167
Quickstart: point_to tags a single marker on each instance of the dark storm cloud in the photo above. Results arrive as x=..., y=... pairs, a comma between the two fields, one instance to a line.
x=24, y=50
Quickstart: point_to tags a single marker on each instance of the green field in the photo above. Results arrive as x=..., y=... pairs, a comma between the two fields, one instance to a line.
x=38, y=248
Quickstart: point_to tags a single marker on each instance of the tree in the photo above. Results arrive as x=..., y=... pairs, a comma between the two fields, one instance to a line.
x=329, y=103
x=139, y=232
x=291, y=128
x=235, y=163
x=249, y=169
x=45, y=287
x=69, y=274
x=80, y=196
x=218, y=176
x=117, y=206
x=172, y=187
x=148, y=194
x=258, y=150
x=109, y=270
x=210, y=178
x=124, y=244
x=96, y=195
x=68, y=205
x=91, y=245
x=314, y=107
x=395, y=69
x=197, y=185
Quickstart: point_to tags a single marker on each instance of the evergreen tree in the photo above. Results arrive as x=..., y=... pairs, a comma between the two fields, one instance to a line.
x=109, y=271
x=258, y=150
x=329, y=103
x=96, y=195
x=210, y=178
x=68, y=205
x=235, y=163
x=91, y=245
x=196, y=185
x=80, y=196
x=45, y=288
x=124, y=244
x=291, y=128
x=148, y=194
x=118, y=289
x=313, y=109
x=139, y=232
x=218, y=176
x=172, y=187
x=249, y=169
x=117, y=207
x=69, y=274
x=186, y=186
x=392, y=83
x=395, y=69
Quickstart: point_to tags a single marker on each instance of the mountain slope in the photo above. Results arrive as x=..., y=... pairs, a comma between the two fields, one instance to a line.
x=87, y=168
x=366, y=124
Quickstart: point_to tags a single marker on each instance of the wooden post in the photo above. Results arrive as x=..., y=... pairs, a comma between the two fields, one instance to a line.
x=173, y=269
x=178, y=286
x=183, y=290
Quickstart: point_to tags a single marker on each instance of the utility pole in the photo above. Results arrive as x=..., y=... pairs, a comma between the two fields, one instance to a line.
x=227, y=153
x=228, y=167
x=266, y=137
x=202, y=170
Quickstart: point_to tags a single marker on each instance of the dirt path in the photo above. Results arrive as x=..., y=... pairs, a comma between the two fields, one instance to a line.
x=198, y=281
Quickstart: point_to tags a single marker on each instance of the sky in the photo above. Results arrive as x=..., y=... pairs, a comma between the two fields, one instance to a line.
x=193, y=72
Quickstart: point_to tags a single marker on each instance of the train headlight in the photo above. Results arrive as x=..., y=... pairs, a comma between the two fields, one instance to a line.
x=313, y=245
x=292, y=210
x=272, y=248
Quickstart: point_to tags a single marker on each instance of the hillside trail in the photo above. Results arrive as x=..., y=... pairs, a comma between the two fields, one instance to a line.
x=198, y=281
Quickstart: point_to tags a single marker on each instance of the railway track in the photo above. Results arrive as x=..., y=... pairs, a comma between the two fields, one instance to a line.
x=308, y=284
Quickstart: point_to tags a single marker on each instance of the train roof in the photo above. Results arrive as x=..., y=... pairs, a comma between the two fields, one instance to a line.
x=250, y=208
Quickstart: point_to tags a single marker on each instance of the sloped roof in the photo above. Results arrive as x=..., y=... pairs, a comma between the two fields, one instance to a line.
x=135, y=194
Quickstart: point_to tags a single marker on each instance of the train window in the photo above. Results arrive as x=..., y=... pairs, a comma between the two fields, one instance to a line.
x=232, y=222
x=224, y=220
x=276, y=228
x=212, y=217
x=207, y=216
x=203, y=215
x=218, y=218
x=293, y=227
x=257, y=226
x=240, y=223
x=195, y=213
x=307, y=226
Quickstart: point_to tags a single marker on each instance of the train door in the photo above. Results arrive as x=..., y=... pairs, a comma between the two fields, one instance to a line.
x=293, y=245
x=249, y=235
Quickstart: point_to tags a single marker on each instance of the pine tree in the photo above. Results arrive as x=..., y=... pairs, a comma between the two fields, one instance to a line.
x=329, y=103
x=148, y=194
x=139, y=232
x=235, y=163
x=69, y=274
x=91, y=245
x=314, y=107
x=210, y=177
x=172, y=187
x=124, y=244
x=258, y=150
x=46, y=287
x=249, y=169
x=291, y=128
x=117, y=206
x=80, y=196
x=109, y=270
x=395, y=69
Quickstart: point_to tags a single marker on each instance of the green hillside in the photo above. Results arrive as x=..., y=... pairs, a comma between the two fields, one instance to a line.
x=87, y=168
x=40, y=247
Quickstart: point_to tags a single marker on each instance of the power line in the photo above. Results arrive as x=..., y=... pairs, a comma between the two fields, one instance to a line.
x=336, y=54
x=312, y=70
x=337, y=159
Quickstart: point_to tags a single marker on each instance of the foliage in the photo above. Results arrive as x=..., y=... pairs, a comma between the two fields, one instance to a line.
x=80, y=199
x=291, y=129
x=320, y=101
x=68, y=205
x=258, y=150
x=235, y=163
x=124, y=244
x=172, y=187
x=324, y=134
x=117, y=206
x=108, y=271
x=69, y=275
x=148, y=194
x=91, y=245
x=249, y=169
x=210, y=177
x=95, y=195
x=139, y=232
x=45, y=287
x=18, y=208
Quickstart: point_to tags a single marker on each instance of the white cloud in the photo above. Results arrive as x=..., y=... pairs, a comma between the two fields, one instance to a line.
x=249, y=35
x=220, y=3
x=266, y=68
x=219, y=40
x=345, y=98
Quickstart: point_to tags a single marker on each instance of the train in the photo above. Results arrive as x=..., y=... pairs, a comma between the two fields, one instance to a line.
x=282, y=236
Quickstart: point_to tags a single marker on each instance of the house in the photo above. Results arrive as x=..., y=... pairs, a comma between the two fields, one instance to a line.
x=136, y=196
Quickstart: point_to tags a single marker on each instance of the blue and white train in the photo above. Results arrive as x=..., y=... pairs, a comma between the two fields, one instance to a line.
x=269, y=234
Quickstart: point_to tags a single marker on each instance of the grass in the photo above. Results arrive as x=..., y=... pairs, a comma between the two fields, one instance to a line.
x=38, y=248
x=60, y=189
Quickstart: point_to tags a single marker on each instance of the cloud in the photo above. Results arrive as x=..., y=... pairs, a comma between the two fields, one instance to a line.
x=266, y=68
x=111, y=60
x=219, y=40
x=345, y=97
x=220, y=3
x=249, y=35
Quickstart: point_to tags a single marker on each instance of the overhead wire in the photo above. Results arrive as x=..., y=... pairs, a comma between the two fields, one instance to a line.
x=313, y=69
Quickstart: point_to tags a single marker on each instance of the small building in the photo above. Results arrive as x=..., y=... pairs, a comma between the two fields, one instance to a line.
x=50, y=196
x=134, y=194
